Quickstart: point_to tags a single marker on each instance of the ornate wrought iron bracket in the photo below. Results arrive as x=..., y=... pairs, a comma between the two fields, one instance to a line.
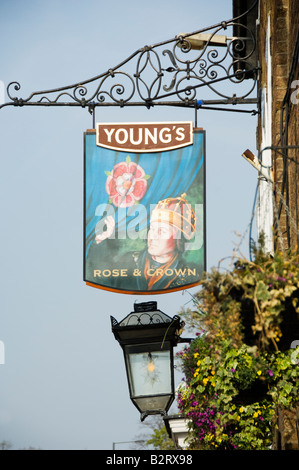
x=170, y=73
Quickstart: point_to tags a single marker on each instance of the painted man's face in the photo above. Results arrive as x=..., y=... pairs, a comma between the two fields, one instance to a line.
x=161, y=239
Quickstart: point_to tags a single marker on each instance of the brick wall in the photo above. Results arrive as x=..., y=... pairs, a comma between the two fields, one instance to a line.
x=284, y=19
x=293, y=131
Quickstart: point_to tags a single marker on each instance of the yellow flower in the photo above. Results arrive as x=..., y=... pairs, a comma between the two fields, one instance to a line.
x=259, y=372
x=213, y=372
x=196, y=355
x=255, y=415
x=196, y=373
x=241, y=409
x=205, y=381
x=198, y=363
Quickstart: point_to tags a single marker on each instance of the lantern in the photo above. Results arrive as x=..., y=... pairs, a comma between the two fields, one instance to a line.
x=147, y=337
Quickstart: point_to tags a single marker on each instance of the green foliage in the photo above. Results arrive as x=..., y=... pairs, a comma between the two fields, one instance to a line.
x=233, y=387
x=268, y=286
x=231, y=394
x=160, y=439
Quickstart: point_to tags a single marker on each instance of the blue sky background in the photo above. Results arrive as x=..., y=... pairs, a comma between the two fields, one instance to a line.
x=63, y=384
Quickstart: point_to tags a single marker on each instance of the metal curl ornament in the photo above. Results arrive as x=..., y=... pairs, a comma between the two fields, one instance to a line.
x=154, y=74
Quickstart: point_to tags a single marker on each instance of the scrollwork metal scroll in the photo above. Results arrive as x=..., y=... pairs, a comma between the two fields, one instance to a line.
x=167, y=69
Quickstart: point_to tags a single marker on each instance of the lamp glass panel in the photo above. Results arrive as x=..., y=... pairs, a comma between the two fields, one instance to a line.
x=149, y=372
x=153, y=404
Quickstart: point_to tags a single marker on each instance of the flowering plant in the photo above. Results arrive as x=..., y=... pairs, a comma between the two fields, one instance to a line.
x=231, y=395
x=240, y=370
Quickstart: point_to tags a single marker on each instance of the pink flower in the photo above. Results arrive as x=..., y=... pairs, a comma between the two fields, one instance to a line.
x=126, y=183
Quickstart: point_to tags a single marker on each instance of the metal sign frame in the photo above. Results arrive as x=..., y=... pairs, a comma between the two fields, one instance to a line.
x=170, y=73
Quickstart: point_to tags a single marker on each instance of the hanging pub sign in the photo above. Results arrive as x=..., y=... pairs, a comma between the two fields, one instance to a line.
x=144, y=200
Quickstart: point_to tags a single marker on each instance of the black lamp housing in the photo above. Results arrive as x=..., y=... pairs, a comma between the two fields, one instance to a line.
x=147, y=337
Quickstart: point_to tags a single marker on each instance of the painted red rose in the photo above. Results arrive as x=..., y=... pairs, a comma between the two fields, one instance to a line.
x=126, y=183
